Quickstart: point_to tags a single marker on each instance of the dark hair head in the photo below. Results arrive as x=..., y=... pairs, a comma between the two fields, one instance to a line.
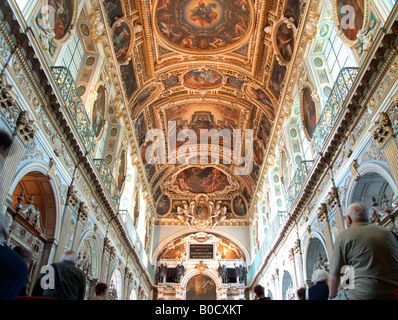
x=100, y=288
x=5, y=139
x=258, y=290
x=301, y=292
x=24, y=253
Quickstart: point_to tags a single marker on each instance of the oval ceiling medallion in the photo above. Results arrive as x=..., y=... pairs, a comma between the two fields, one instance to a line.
x=203, y=26
x=203, y=79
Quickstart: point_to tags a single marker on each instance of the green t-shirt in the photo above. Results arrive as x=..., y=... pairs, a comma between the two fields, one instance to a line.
x=372, y=251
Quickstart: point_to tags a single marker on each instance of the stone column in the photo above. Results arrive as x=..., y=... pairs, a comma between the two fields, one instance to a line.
x=334, y=204
x=324, y=219
x=82, y=214
x=24, y=133
x=105, y=261
x=180, y=292
x=384, y=135
x=299, y=262
x=71, y=206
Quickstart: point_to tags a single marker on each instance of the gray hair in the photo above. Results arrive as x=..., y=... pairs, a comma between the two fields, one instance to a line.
x=358, y=212
x=69, y=256
x=319, y=275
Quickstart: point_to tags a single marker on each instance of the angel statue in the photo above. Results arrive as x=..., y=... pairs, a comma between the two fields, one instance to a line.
x=184, y=215
x=220, y=214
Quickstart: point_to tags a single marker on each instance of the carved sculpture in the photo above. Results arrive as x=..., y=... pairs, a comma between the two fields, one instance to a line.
x=202, y=212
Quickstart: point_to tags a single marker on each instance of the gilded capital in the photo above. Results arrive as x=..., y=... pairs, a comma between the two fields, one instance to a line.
x=382, y=130
x=25, y=128
x=323, y=213
x=72, y=199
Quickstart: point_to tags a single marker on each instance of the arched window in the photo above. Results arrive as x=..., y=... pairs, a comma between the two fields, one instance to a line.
x=115, y=287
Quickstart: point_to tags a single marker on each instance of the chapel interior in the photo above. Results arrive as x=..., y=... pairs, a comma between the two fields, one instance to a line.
x=192, y=149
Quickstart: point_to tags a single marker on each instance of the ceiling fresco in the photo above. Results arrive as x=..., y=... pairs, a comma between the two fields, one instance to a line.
x=193, y=65
x=203, y=26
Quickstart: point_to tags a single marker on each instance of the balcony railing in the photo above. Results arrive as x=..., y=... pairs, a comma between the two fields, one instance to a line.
x=332, y=109
x=132, y=232
x=296, y=185
x=108, y=180
x=76, y=110
x=75, y=106
x=266, y=245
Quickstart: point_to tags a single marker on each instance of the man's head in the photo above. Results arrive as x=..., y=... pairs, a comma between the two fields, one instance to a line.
x=356, y=212
x=69, y=256
x=258, y=290
x=101, y=289
x=319, y=276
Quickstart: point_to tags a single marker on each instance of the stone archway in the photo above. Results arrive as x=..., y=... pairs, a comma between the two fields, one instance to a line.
x=315, y=251
x=370, y=188
x=287, y=286
x=33, y=220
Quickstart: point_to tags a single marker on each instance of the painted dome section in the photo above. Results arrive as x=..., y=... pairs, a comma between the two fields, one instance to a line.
x=203, y=25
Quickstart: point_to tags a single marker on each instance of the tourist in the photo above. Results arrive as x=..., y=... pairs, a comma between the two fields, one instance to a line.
x=259, y=291
x=13, y=270
x=26, y=256
x=320, y=289
x=70, y=281
x=101, y=290
x=370, y=253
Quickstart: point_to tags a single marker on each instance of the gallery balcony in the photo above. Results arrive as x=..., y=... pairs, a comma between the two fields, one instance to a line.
x=135, y=240
x=333, y=107
x=74, y=106
x=270, y=237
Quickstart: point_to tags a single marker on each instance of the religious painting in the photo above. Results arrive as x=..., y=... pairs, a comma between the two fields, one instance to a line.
x=197, y=180
x=171, y=81
x=277, y=78
x=284, y=41
x=174, y=251
x=203, y=25
x=352, y=17
x=163, y=205
x=159, y=177
x=261, y=96
x=264, y=128
x=294, y=10
x=235, y=82
x=140, y=129
x=64, y=11
x=113, y=10
x=146, y=95
x=203, y=79
x=229, y=251
x=201, y=287
x=258, y=150
x=309, y=115
x=239, y=206
x=121, y=177
x=98, y=113
x=190, y=119
x=122, y=38
x=129, y=79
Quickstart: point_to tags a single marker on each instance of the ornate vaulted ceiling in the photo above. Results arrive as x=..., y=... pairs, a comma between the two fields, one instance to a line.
x=203, y=64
